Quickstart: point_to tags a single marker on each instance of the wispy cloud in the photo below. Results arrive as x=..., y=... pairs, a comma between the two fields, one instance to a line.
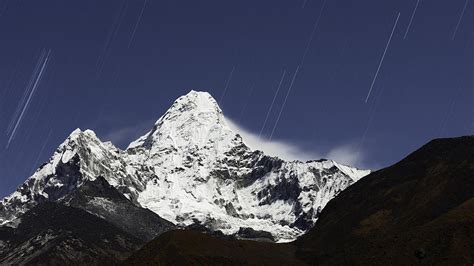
x=348, y=155
x=344, y=154
x=123, y=136
x=281, y=149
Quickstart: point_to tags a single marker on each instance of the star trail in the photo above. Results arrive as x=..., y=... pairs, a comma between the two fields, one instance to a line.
x=381, y=77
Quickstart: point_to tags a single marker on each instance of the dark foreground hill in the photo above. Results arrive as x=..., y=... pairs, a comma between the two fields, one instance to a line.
x=180, y=247
x=421, y=210
x=418, y=211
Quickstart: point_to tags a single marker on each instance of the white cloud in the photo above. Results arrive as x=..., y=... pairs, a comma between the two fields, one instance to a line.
x=123, y=136
x=345, y=154
x=280, y=149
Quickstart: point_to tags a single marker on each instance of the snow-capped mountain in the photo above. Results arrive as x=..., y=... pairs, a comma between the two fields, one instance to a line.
x=191, y=168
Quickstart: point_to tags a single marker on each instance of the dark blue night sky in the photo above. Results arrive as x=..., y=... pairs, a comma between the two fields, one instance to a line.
x=116, y=66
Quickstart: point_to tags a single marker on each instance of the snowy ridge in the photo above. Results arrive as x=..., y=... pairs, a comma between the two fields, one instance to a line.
x=192, y=168
x=82, y=156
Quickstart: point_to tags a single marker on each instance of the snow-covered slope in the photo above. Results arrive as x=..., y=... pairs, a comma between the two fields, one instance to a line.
x=81, y=157
x=192, y=168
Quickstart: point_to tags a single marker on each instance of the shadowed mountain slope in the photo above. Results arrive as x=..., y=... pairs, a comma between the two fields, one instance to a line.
x=95, y=224
x=421, y=210
x=54, y=234
x=181, y=247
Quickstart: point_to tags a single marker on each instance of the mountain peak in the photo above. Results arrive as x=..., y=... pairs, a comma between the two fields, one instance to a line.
x=193, y=120
x=78, y=133
x=79, y=139
x=196, y=101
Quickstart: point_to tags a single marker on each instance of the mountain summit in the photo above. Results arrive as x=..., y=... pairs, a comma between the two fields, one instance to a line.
x=191, y=169
x=194, y=121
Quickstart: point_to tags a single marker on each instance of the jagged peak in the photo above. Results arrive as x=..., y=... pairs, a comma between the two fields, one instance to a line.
x=193, y=103
x=201, y=99
x=193, y=119
x=79, y=134
x=84, y=143
x=75, y=132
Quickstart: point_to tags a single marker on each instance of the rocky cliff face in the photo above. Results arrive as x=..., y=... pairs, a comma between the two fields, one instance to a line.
x=191, y=168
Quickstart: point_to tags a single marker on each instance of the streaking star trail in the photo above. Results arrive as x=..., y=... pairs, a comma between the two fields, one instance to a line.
x=460, y=20
x=411, y=19
x=111, y=37
x=227, y=84
x=308, y=45
x=382, y=59
x=284, y=102
x=31, y=89
x=273, y=102
x=138, y=23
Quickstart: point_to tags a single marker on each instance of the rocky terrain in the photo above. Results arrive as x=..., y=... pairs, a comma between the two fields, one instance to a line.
x=191, y=170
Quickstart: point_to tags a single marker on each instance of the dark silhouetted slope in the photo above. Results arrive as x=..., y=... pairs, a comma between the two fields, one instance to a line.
x=421, y=210
x=181, y=247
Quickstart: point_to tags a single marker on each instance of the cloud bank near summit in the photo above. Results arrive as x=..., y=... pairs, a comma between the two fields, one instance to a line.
x=345, y=154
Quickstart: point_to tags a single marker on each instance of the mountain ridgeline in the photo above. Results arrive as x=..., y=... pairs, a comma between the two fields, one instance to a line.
x=191, y=170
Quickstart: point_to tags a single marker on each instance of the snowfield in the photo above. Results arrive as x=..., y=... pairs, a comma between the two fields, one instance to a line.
x=192, y=168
